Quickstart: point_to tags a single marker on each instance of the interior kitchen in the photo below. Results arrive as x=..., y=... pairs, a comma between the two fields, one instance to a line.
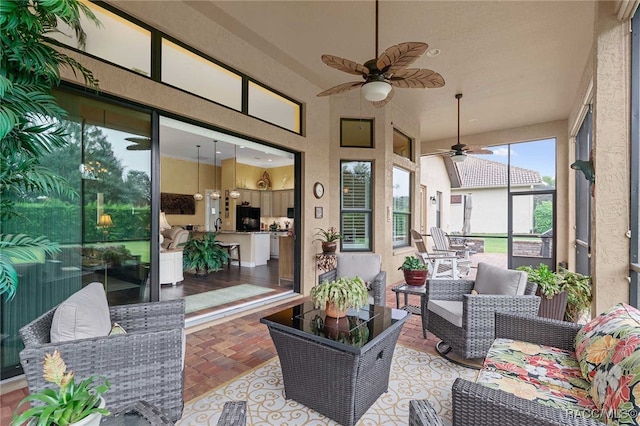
x=212, y=182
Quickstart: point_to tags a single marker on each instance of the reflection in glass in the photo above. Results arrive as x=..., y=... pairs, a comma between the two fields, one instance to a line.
x=101, y=225
x=401, y=144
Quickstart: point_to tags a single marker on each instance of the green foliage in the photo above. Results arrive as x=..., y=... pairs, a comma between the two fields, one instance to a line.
x=327, y=235
x=343, y=292
x=577, y=286
x=22, y=248
x=204, y=254
x=70, y=403
x=412, y=263
x=29, y=115
x=543, y=217
x=548, y=281
x=578, y=289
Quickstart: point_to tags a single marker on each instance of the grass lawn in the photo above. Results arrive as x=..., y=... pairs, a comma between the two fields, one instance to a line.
x=141, y=248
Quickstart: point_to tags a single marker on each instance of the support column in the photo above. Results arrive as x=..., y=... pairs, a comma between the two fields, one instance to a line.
x=611, y=149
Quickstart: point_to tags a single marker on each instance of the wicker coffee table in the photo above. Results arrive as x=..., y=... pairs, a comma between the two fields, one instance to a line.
x=139, y=414
x=421, y=310
x=336, y=367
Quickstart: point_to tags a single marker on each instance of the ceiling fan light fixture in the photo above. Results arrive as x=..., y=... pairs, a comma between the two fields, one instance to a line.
x=375, y=91
x=458, y=157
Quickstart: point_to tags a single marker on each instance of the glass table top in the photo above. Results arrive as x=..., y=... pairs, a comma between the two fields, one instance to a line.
x=356, y=329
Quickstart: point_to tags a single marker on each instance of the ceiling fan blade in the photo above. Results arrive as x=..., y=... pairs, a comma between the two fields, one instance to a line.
x=379, y=104
x=136, y=139
x=345, y=65
x=417, y=78
x=138, y=147
x=400, y=56
x=341, y=88
x=477, y=149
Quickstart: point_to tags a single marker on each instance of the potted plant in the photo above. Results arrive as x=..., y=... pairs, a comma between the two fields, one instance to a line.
x=578, y=288
x=329, y=238
x=338, y=295
x=72, y=404
x=564, y=294
x=204, y=255
x=415, y=271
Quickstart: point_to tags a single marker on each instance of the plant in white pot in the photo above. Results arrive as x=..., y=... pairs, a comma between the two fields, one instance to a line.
x=72, y=404
x=339, y=295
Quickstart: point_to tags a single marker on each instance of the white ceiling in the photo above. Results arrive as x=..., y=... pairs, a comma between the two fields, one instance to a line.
x=516, y=62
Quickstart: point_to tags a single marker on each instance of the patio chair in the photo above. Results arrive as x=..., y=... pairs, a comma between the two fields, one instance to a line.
x=465, y=320
x=367, y=266
x=144, y=364
x=442, y=244
x=440, y=265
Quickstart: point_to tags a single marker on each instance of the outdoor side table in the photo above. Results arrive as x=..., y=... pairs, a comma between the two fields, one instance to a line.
x=338, y=367
x=421, y=310
x=139, y=414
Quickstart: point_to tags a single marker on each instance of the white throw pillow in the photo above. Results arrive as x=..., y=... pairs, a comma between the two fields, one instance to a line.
x=493, y=280
x=84, y=314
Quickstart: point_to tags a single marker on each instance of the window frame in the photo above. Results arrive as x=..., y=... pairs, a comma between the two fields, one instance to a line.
x=407, y=215
x=367, y=211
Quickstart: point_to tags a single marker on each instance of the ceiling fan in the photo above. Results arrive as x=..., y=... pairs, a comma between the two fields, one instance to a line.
x=459, y=151
x=139, y=144
x=387, y=71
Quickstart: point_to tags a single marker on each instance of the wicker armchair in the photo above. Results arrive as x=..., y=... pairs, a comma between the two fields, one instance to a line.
x=367, y=266
x=474, y=333
x=144, y=364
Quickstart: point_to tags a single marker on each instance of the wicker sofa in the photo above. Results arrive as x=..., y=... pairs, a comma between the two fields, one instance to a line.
x=548, y=372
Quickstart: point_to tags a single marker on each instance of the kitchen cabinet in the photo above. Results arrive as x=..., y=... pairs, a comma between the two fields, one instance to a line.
x=281, y=200
x=251, y=196
x=265, y=203
x=285, y=264
x=275, y=245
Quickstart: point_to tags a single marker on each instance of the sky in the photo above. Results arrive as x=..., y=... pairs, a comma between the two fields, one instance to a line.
x=537, y=155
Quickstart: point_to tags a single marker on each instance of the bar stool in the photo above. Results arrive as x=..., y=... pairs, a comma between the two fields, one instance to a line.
x=230, y=247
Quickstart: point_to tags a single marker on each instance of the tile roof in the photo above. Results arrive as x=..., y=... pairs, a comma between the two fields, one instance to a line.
x=478, y=172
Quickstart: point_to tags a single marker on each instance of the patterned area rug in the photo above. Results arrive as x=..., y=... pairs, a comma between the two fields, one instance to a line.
x=414, y=375
x=209, y=299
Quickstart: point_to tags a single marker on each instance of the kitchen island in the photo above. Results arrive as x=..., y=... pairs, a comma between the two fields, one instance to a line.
x=254, y=246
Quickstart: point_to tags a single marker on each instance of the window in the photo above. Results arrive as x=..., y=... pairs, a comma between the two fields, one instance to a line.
x=356, y=132
x=356, y=205
x=117, y=40
x=401, y=144
x=191, y=72
x=401, y=207
x=438, y=209
x=271, y=107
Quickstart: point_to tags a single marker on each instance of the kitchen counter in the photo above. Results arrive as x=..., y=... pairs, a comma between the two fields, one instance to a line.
x=254, y=245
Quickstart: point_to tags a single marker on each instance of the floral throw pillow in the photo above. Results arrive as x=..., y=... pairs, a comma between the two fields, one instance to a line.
x=596, y=339
x=616, y=382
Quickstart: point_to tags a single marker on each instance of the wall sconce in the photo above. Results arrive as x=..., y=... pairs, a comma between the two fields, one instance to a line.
x=433, y=200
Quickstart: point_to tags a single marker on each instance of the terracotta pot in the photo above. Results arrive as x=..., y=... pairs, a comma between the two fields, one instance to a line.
x=416, y=278
x=332, y=311
x=329, y=247
x=335, y=328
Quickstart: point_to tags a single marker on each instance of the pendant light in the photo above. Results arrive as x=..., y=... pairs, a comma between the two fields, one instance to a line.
x=198, y=196
x=234, y=192
x=215, y=194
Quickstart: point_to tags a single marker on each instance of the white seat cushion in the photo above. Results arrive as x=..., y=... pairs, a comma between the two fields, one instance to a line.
x=493, y=280
x=447, y=309
x=84, y=314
